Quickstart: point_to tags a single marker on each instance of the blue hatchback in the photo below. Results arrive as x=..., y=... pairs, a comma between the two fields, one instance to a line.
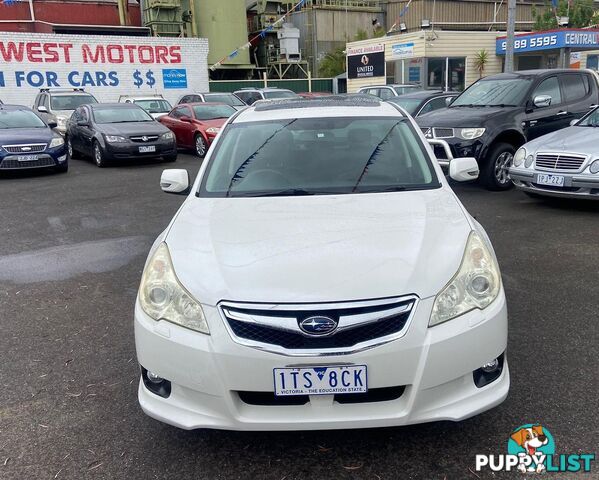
x=26, y=141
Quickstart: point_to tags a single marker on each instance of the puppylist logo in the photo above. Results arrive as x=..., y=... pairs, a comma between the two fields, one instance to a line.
x=531, y=449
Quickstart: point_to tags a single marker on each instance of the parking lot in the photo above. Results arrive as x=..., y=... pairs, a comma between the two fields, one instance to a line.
x=72, y=252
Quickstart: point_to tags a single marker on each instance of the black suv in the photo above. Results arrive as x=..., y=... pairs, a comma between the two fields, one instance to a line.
x=499, y=113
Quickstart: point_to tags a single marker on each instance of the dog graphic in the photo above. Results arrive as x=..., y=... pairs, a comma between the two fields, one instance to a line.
x=530, y=439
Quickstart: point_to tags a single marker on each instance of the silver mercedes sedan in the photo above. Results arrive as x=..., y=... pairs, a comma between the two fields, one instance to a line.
x=564, y=163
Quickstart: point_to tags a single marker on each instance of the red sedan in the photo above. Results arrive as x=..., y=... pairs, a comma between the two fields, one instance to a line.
x=195, y=125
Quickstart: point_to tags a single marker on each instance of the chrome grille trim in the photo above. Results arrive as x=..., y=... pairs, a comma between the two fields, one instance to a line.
x=559, y=161
x=25, y=148
x=280, y=321
x=144, y=138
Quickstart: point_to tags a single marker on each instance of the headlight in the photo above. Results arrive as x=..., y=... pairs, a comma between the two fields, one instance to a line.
x=56, y=142
x=162, y=297
x=115, y=138
x=471, y=133
x=213, y=130
x=519, y=157
x=475, y=285
x=168, y=136
x=594, y=168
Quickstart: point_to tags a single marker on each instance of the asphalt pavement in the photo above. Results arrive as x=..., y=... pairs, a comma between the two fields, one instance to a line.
x=72, y=248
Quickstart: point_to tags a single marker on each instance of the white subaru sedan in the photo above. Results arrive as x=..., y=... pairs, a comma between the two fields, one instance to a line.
x=320, y=274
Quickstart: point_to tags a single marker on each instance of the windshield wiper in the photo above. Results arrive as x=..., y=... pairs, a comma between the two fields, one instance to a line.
x=374, y=155
x=502, y=105
x=238, y=173
x=288, y=192
x=468, y=105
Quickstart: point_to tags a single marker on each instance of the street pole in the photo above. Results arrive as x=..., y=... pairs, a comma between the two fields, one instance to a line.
x=511, y=30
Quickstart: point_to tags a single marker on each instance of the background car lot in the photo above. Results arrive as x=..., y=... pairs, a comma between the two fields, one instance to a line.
x=70, y=266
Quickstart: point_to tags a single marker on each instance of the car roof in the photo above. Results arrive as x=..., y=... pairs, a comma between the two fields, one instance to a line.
x=142, y=97
x=532, y=73
x=323, y=107
x=12, y=108
x=202, y=104
x=100, y=106
x=263, y=89
x=392, y=85
x=423, y=95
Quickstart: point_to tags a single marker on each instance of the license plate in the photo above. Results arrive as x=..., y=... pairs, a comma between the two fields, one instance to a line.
x=27, y=158
x=147, y=149
x=320, y=380
x=553, y=180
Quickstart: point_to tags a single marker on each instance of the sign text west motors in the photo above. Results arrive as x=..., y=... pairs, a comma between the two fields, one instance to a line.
x=106, y=66
x=52, y=52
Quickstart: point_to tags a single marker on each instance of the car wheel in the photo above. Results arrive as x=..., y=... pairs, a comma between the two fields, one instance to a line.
x=495, y=171
x=64, y=168
x=70, y=149
x=99, y=156
x=201, y=146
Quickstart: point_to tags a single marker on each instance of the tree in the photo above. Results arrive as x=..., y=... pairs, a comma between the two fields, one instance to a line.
x=480, y=61
x=581, y=13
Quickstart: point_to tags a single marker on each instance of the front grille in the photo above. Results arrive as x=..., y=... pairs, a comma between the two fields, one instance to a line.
x=373, y=395
x=360, y=325
x=559, y=161
x=11, y=164
x=144, y=138
x=443, y=132
x=28, y=148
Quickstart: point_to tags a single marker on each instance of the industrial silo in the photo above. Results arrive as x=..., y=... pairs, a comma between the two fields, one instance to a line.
x=224, y=23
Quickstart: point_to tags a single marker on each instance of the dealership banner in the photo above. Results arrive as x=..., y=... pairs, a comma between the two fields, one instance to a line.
x=106, y=66
x=552, y=39
x=366, y=62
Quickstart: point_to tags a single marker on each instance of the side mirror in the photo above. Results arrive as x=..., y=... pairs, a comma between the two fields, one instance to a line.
x=463, y=169
x=185, y=118
x=541, y=101
x=42, y=109
x=574, y=122
x=82, y=123
x=175, y=180
x=52, y=124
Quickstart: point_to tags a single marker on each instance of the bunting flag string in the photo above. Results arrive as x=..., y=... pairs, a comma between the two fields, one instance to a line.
x=401, y=14
x=262, y=34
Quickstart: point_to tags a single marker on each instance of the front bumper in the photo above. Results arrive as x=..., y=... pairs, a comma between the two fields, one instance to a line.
x=576, y=185
x=435, y=365
x=50, y=158
x=449, y=148
x=130, y=150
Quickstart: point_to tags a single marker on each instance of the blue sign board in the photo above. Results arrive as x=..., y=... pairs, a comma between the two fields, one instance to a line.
x=414, y=74
x=174, y=77
x=532, y=42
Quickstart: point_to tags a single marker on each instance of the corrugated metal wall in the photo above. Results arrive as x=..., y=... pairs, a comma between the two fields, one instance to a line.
x=459, y=14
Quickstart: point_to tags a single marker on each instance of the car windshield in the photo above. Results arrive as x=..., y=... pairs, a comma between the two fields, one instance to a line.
x=20, y=119
x=409, y=104
x=70, y=102
x=121, y=115
x=225, y=98
x=211, y=112
x=494, y=92
x=318, y=156
x=280, y=94
x=154, y=106
x=407, y=89
x=591, y=120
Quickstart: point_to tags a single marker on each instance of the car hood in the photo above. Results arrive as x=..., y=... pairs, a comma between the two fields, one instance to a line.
x=319, y=248
x=16, y=136
x=132, y=128
x=571, y=139
x=463, y=116
x=62, y=113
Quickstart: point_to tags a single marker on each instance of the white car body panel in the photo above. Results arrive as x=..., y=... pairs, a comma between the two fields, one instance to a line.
x=312, y=249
